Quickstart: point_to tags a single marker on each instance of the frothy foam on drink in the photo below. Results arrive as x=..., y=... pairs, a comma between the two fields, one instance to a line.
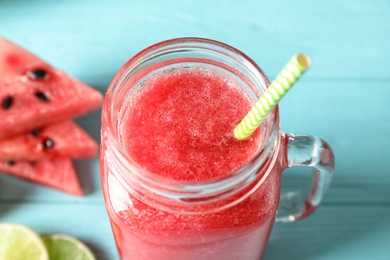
x=180, y=125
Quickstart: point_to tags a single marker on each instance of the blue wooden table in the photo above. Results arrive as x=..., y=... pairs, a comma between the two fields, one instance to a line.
x=345, y=99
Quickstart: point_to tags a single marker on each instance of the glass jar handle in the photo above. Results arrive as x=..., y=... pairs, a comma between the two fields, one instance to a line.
x=307, y=151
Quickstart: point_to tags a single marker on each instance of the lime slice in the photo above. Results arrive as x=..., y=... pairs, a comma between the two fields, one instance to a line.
x=62, y=246
x=20, y=242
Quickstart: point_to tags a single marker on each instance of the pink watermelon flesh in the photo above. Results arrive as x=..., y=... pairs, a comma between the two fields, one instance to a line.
x=33, y=93
x=64, y=139
x=57, y=173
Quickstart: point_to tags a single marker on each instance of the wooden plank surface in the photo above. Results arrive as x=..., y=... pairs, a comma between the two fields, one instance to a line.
x=344, y=98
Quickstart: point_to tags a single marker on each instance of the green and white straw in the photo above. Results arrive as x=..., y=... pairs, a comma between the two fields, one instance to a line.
x=298, y=64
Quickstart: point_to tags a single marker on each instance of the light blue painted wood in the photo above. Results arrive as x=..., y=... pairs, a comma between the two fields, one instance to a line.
x=344, y=98
x=335, y=232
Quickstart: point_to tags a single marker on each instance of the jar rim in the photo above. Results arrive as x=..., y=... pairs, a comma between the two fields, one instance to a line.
x=183, y=190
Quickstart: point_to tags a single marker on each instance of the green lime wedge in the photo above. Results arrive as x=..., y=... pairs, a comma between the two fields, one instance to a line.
x=64, y=247
x=20, y=242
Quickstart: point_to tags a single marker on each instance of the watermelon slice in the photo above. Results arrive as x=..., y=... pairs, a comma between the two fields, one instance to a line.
x=33, y=93
x=64, y=139
x=57, y=173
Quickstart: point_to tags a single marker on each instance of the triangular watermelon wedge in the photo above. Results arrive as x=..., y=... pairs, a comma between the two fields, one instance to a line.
x=33, y=93
x=57, y=173
x=64, y=139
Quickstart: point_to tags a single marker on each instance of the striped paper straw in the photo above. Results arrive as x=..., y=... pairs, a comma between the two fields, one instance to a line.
x=298, y=64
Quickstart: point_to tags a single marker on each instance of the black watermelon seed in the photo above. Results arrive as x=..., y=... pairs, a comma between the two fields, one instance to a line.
x=7, y=102
x=10, y=163
x=48, y=143
x=41, y=96
x=35, y=132
x=37, y=74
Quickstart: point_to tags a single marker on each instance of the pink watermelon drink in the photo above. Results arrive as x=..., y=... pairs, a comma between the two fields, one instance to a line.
x=178, y=131
x=177, y=184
